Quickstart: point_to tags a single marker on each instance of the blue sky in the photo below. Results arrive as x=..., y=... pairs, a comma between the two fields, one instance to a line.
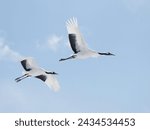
x=106, y=84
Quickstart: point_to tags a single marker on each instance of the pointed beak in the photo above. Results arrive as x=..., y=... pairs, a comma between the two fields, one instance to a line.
x=112, y=54
x=55, y=73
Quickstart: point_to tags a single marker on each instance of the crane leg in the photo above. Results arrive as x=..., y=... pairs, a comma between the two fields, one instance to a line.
x=21, y=77
x=71, y=57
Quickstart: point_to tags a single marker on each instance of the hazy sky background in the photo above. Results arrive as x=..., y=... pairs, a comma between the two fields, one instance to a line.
x=36, y=28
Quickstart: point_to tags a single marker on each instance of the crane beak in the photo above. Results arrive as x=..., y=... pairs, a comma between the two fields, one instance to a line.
x=51, y=73
x=55, y=73
x=112, y=54
x=107, y=54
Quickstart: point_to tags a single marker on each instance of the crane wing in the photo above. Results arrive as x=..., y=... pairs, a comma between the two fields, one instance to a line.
x=52, y=82
x=75, y=38
x=29, y=63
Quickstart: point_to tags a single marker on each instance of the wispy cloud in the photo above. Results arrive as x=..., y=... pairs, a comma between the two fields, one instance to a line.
x=7, y=53
x=134, y=5
x=52, y=42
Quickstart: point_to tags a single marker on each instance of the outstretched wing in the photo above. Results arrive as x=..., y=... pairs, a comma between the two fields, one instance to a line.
x=52, y=82
x=75, y=38
x=29, y=63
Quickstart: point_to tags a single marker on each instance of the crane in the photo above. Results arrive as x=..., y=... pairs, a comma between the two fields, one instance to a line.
x=77, y=43
x=32, y=69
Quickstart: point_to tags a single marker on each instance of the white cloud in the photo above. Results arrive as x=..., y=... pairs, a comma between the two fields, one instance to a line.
x=134, y=5
x=7, y=53
x=52, y=42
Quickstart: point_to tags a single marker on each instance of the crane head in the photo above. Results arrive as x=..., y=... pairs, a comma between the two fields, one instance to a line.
x=51, y=73
x=108, y=54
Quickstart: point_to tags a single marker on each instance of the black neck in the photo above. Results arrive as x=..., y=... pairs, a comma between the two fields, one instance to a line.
x=108, y=53
x=50, y=72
